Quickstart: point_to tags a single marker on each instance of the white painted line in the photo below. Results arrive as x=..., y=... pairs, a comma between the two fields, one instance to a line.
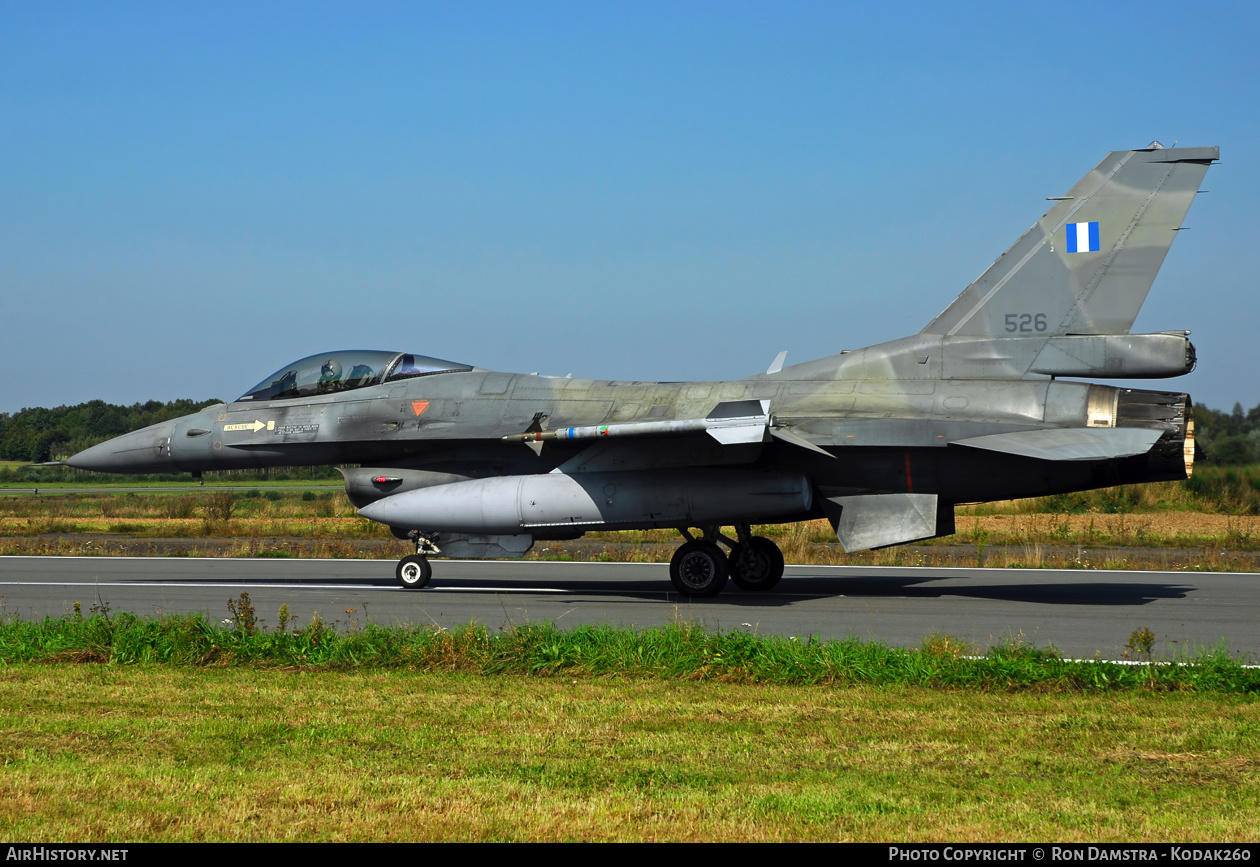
x=198, y=585
x=1106, y=661
x=194, y=584
x=191, y=585
x=561, y=564
x=344, y=560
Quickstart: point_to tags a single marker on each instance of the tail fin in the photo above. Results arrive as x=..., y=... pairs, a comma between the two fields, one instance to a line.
x=1086, y=266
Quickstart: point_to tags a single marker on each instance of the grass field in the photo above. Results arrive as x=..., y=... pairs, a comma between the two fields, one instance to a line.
x=136, y=753
x=605, y=734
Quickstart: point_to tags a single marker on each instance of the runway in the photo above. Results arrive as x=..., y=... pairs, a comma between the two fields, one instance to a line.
x=1081, y=612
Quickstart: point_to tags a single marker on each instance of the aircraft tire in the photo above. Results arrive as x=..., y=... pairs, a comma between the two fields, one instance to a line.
x=699, y=569
x=413, y=572
x=757, y=566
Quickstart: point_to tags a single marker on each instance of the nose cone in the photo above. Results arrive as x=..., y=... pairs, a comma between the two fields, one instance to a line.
x=144, y=451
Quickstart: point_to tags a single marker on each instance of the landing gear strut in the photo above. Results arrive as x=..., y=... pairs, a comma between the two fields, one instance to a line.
x=414, y=570
x=700, y=568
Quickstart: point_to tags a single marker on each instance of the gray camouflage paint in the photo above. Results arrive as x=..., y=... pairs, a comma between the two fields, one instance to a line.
x=889, y=437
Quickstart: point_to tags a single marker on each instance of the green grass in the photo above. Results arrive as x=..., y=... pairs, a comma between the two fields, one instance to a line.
x=678, y=652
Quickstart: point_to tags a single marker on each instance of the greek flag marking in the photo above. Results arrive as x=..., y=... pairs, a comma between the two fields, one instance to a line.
x=1082, y=238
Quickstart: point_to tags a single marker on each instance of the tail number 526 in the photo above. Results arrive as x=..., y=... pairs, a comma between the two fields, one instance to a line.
x=1025, y=323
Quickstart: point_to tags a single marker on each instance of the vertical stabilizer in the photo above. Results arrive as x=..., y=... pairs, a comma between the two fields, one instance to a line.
x=1085, y=267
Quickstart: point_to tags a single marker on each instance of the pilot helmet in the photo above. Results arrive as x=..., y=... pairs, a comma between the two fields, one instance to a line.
x=330, y=371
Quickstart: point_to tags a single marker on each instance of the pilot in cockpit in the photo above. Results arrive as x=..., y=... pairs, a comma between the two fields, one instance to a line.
x=329, y=377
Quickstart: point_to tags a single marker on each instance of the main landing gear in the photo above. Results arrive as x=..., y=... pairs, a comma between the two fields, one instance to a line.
x=700, y=568
x=414, y=570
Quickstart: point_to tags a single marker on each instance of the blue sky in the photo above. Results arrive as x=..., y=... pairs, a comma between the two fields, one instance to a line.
x=195, y=194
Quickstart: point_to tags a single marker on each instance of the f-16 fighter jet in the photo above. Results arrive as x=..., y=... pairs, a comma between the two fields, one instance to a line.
x=983, y=404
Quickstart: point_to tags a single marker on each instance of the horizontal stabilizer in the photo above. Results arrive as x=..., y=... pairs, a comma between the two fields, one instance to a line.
x=1069, y=444
x=877, y=520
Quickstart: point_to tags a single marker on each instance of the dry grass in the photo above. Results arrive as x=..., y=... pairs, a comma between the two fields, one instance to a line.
x=1164, y=529
x=1145, y=532
x=188, y=516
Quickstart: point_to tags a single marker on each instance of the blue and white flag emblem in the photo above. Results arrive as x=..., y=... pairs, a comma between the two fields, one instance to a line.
x=1082, y=238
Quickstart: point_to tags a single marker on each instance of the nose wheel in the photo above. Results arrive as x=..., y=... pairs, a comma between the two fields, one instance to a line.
x=413, y=572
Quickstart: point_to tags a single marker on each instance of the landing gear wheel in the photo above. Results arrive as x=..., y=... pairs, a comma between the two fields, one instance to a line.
x=699, y=568
x=757, y=565
x=414, y=572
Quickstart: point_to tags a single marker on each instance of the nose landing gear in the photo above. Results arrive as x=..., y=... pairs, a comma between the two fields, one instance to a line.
x=414, y=570
x=700, y=568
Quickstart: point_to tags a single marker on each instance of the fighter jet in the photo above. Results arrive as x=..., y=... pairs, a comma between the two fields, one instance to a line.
x=983, y=404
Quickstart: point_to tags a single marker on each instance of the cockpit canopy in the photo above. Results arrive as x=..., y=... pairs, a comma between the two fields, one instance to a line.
x=346, y=370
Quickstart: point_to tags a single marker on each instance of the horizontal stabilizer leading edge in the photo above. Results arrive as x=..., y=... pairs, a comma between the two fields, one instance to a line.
x=1070, y=444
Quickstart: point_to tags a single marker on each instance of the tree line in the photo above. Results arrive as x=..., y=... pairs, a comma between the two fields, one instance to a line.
x=1231, y=438
x=38, y=434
